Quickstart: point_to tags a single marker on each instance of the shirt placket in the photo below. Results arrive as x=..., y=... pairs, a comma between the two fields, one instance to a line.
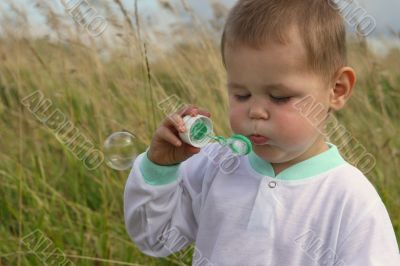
x=262, y=213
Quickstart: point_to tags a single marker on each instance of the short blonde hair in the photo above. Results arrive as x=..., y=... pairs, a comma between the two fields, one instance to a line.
x=321, y=27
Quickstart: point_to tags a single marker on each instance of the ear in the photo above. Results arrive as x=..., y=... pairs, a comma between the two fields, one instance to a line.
x=343, y=83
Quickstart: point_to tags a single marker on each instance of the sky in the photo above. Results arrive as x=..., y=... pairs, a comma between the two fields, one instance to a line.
x=384, y=12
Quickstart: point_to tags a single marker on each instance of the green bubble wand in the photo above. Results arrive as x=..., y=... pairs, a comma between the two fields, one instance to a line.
x=239, y=144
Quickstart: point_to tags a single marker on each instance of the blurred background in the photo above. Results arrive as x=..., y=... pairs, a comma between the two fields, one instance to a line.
x=105, y=66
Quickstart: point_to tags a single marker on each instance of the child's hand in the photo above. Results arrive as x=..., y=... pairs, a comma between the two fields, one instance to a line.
x=166, y=148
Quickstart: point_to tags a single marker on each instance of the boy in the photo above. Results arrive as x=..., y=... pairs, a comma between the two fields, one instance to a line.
x=293, y=200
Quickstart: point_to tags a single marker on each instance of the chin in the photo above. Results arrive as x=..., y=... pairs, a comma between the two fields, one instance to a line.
x=267, y=152
x=273, y=154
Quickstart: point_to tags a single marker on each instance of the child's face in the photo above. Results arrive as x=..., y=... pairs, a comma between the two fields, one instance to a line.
x=259, y=77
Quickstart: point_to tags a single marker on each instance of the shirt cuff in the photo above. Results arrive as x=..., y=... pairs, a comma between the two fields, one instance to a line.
x=155, y=174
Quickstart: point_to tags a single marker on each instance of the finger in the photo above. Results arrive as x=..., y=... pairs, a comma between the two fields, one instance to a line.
x=190, y=149
x=202, y=112
x=187, y=110
x=166, y=134
x=193, y=110
x=194, y=149
x=175, y=121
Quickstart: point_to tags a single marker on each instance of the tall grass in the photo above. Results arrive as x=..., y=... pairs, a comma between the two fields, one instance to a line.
x=113, y=83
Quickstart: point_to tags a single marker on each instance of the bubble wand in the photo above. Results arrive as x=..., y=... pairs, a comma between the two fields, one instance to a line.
x=200, y=131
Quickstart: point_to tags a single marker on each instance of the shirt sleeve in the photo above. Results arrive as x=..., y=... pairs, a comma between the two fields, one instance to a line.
x=162, y=203
x=371, y=241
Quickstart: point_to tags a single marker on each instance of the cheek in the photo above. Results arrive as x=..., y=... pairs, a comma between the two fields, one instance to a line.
x=293, y=128
x=234, y=121
x=236, y=115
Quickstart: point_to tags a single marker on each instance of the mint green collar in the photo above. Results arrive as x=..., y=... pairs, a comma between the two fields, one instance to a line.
x=315, y=165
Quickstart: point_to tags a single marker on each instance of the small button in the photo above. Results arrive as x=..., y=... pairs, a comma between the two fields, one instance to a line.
x=272, y=184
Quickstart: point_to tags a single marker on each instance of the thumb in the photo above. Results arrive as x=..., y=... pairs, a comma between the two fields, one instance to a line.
x=191, y=150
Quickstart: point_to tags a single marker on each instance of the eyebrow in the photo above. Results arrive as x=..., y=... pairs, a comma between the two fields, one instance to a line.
x=277, y=86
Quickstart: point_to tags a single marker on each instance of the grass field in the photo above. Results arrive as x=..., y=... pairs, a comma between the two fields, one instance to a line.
x=103, y=85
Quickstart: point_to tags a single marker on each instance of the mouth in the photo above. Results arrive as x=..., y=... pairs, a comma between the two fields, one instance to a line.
x=258, y=139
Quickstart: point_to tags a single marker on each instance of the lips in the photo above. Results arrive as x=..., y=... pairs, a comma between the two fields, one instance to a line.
x=258, y=139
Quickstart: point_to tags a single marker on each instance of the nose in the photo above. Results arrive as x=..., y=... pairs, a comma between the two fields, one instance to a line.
x=258, y=111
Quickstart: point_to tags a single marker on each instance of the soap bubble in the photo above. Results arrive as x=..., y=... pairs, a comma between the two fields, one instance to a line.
x=238, y=147
x=237, y=143
x=240, y=144
x=119, y=150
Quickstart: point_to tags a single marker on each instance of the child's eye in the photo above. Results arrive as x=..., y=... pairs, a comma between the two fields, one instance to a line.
x=280, y=99
x=241, y=98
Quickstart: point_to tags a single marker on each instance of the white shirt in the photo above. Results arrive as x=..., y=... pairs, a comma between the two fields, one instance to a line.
x=322, y=211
